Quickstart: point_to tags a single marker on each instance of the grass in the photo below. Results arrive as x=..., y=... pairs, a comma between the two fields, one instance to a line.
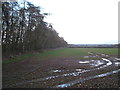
x=64, y=52
x=18, y=58
x=109, y=51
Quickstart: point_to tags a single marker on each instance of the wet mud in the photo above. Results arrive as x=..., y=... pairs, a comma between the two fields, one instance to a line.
x=66, y=73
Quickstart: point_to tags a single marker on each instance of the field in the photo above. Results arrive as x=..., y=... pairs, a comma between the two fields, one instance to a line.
x=65, y=52
x=63, y=68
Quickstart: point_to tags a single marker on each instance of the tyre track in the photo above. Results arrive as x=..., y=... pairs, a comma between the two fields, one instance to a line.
x=108, y=63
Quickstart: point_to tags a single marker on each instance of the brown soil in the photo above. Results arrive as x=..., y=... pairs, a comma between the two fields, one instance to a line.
x=34, y=68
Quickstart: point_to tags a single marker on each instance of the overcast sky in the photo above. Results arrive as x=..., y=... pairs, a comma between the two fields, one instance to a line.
x=83, y=21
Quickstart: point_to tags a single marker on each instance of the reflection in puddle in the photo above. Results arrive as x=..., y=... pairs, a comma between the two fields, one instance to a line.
x=117, y=58
x=86, y=56
x=100, y=63
x=78, y=70
x=90, y=53
x=107, y=55
x=84, y=79
x=75, y=73
x=84, y=61
x=117, y=63
x=103, y=54
x=89, y=56
x=109, y=62
x=50, y=77
x=97, y=63
x=57, y=70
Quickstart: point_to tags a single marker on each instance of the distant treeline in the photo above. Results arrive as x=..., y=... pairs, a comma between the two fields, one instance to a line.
x=94, y=45
x=24, y=29
x=118, y=45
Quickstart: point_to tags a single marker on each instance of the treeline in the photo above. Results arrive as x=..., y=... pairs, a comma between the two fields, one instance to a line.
x=93, y=45
x=24, y=29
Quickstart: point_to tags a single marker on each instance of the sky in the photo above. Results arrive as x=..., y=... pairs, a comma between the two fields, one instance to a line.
x=83, y=21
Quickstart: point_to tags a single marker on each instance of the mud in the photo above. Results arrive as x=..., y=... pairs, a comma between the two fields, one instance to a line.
x=60, y=73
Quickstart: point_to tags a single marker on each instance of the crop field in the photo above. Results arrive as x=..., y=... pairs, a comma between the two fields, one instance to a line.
x=64, y=68
x=66, y=52
x=79, y=52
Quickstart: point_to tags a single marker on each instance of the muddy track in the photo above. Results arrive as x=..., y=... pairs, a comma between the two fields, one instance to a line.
x=68, y=77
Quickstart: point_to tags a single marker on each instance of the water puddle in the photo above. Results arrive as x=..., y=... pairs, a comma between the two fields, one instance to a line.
x=107, y=55
x=102, y=64
x=90, y=53
x=99, y=54
x=108, y=61
x=86, y=56
x=74, y=73
x=57, y=70
x=117, y=63
x=79, y=70
x=96, y=63
x=84, y=61
x=89, y=56
x=106, y=65
x=84, y=79
x=103, y=54
x=117, y=58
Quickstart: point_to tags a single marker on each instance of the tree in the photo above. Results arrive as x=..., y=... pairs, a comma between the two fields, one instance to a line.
x=24, y=29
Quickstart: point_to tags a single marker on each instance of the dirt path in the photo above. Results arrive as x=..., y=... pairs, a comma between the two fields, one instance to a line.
x=63, y=73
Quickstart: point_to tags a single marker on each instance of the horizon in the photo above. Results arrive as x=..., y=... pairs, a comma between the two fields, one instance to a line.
x=95, y=44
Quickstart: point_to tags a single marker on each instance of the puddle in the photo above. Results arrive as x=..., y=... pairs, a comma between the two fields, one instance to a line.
x=86, y=56
x=117, y=63
x=84, y=61
x=75, y=73
x=90, y=53
x=109, y=62
x=103, y=54
x=117, y=58
x=89, y=56
x=107, y=55
x=57, y=70
x=96, y=63
x=84, y=79
x=106, y=65
x=78, y=70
